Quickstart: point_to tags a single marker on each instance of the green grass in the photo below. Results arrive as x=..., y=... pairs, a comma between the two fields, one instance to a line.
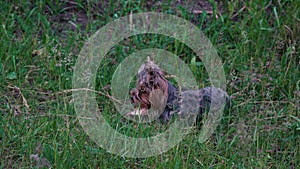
x=257, y=41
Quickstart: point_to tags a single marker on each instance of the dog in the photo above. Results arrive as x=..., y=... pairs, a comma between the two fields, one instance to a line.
x=151, y=79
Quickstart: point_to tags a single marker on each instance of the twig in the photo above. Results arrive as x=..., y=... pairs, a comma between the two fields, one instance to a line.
x=23, y=98
x=59, y=115
x=241, y=10
x=91, y=90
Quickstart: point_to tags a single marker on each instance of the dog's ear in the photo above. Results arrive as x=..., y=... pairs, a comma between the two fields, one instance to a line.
x=158, y=100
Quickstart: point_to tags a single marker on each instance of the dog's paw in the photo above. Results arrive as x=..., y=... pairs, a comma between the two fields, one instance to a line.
x=138, y=112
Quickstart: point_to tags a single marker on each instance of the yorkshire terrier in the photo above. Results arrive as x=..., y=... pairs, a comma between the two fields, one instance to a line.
x=152, y=79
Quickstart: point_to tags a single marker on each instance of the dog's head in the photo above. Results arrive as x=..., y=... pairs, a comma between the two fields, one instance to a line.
x=150, y=78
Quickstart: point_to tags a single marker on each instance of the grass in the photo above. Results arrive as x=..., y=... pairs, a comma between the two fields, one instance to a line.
x=257, y=41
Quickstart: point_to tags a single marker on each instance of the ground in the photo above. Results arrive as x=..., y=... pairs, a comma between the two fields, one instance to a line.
x=257, y=41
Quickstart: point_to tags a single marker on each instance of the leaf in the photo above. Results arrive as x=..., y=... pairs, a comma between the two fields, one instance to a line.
x=12, y=75
x=193, y=61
